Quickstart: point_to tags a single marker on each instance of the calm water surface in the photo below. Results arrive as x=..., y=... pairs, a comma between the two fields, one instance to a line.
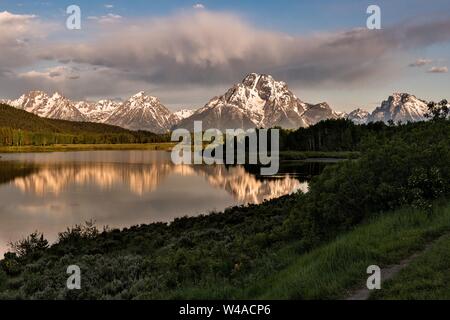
x=49, y=192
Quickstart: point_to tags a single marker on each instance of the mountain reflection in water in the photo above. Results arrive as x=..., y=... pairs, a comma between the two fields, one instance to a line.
x=50, y=192
x=141, y=179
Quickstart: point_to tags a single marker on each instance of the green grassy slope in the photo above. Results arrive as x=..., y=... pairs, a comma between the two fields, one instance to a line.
x=334, y=270
x=19, y=119
x=19, y=128
x=426, y=278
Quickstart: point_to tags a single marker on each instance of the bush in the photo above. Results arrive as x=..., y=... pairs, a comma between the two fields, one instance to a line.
x=30, y=247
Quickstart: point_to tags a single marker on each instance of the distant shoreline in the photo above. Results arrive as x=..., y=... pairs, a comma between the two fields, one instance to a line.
x=88, y=147
x=306, y=156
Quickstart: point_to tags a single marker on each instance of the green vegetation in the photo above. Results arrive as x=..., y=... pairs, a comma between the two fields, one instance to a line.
x=427, y=277
x=331, y=135
x=21, y=128
x=377, y=208
x=333, y=270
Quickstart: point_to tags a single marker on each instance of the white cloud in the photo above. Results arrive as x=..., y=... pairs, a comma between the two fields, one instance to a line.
x=190, y=54
x=198, y=6
x=109, y=6
x=57, y=73
x=420, y=62
x=10, y=18
x=109, y=18
x=19, y=37
x=193, y=48
x=438, y=70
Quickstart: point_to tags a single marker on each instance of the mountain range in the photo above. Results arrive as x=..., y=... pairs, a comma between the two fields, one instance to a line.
x=258, y=101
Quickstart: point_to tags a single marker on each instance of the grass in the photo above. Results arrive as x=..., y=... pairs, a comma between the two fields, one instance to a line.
x=88, y=147
x=303, y=155
x=426, y=278
x=336, y=270
x=333, y=271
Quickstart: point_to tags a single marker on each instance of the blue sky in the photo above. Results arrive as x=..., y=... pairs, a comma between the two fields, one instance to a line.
x=191, y=71
x=285, y=15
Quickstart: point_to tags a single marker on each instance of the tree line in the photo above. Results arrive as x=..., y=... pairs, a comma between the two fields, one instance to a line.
x=345, y=135
x=21, y=128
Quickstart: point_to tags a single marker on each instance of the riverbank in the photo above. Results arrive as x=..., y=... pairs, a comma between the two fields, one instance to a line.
x=88, y=147
x=306, y=155
x=219, y=256
x=284, y=155
x=380, y=209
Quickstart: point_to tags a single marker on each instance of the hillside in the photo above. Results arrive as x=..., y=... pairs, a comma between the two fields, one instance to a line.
x=19, y=127
x=20, y=119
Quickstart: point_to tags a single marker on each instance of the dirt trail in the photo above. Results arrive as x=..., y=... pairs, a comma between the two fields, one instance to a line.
x=390, y=272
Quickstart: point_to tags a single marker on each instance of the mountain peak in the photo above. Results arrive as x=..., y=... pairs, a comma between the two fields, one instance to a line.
x=143, y=98
x=139, y=94
x=400, y=107
x=402, y=96
x=143, y=112
x=258, y=101
x=184, y=113
x=263, y=83
x=253, y=78
x=359, y=116
x=55, y=107
x=57, y=95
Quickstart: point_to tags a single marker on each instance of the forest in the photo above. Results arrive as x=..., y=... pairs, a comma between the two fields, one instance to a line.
x=21, y=128
x=395, y=189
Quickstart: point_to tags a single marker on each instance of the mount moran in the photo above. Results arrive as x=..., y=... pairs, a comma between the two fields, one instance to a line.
x=258, y=101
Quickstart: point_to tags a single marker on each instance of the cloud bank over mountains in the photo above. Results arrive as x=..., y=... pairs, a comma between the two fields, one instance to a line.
x=185, y=55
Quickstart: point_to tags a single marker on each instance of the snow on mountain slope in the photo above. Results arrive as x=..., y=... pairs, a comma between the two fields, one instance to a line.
x=258, y=101
x=43, y=105
x=340, y=114
x=400, y=107
x=142, y=112
x=183, y=113
x=359, y=116
x=321, y=111
x=97, y=111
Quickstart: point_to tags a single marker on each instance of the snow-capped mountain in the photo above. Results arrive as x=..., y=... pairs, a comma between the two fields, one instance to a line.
x=321, y=111
x=97, y=111
x=43, y=105
x=400, y=107
x=359, y=116
x=183, y=113
x=258, y=101
x=340, y=114
x=142, y=112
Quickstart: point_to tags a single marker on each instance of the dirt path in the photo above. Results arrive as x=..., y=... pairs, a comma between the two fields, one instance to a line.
x=390, y=272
